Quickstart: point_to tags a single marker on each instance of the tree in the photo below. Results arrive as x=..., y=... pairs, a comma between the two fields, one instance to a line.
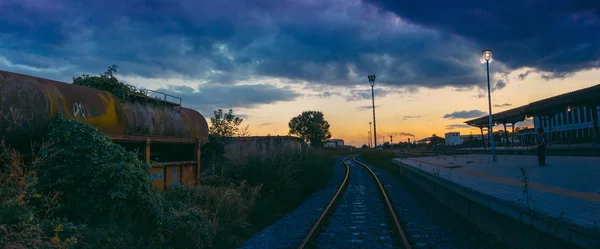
x=106, y=82
x=364, y=146
x=226, y=124
x=311, y=126
x=245, y=132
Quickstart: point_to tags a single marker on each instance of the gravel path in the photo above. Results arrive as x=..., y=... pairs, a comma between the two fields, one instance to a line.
x=359, y=219
x=290, y=230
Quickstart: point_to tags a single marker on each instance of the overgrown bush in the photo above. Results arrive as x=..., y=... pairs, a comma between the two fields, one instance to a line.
x=80, y=190
x=99, y=182
x=106, y=82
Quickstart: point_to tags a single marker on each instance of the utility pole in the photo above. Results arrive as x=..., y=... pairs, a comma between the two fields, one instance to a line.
x=372, y=83
x=370, y=136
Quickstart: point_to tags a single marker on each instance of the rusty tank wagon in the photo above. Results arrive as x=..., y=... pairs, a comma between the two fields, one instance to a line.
x=166, y=135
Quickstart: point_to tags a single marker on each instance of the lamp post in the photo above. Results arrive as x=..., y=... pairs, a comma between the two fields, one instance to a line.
x=369, y=139
x=370, y=136
x=372, y=83
x=487, y=56
x=568, y=126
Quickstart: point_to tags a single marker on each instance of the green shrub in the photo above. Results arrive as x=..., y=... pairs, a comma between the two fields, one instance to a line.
x=106, y=82
x=83, y=191
x=97, y=181
x=207, y=216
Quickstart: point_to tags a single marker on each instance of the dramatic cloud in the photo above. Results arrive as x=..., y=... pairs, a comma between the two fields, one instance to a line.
x=366, y=107
x=503, y=105
x=458, y=126
x=212, y=97
x=265, y=124
x=554, y=36
x=410, y=117
x=464, y=114
x=332, y=42
x=499, y=85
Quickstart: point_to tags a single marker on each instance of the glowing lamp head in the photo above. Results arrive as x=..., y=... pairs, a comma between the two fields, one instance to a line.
x=487, y=55
x=569, y=109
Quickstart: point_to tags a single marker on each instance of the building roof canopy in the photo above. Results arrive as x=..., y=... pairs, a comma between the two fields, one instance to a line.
x=584, y=97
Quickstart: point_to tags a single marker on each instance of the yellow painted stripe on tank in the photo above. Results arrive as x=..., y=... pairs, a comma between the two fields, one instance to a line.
x=108, y=121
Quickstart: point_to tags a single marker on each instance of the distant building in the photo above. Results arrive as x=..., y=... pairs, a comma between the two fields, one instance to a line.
x=245, y=146
x=453, y=138
x=335, y=143
x=433, y=140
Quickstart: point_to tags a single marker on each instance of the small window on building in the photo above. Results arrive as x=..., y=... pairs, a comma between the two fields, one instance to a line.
x=588, y=114
x=554, y=120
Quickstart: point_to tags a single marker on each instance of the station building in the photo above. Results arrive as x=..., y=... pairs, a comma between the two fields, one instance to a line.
x=569, y=117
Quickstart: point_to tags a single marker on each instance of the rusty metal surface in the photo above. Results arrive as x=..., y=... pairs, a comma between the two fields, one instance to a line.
x=160, y=164
x=28, y=103
x=173, y=176
x=156, y=139
x=157, y=177
x=187, y=175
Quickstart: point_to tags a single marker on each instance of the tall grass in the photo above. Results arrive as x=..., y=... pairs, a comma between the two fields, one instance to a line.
x=286, y=175
x=381, y=159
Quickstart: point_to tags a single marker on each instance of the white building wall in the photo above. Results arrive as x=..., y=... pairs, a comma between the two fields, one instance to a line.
x=453, y=138
x=578, y=122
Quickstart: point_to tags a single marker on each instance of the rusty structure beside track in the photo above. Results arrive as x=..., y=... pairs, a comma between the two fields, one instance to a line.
x=166, y=135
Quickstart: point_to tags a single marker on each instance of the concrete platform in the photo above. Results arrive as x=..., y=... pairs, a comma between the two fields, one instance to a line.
x=565, y=193
x=533, y=147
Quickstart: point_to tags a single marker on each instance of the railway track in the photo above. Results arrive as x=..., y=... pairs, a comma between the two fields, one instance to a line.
x=360, y=215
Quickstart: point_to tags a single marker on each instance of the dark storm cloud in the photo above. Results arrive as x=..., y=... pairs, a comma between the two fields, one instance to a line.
x=457, y=126
x=464, y=114
x=332, y=42
x=499, y=85
x=556, y=36
x=212, y=97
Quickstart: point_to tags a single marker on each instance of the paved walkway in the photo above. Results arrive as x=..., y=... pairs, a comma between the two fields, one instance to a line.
x=569, y=187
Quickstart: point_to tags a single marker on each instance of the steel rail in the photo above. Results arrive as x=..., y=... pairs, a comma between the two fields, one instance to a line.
x=389, y=205
x=328, y=209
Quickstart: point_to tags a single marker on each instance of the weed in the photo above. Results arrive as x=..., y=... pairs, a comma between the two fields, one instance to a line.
x=529, y=202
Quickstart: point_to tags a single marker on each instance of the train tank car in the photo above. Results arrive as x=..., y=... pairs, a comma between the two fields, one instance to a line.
x=167, y=135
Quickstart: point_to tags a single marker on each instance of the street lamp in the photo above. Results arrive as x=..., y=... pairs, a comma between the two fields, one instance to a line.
x=487, y=56
x=372, y=83
x=568, y=126
x=370, y=139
